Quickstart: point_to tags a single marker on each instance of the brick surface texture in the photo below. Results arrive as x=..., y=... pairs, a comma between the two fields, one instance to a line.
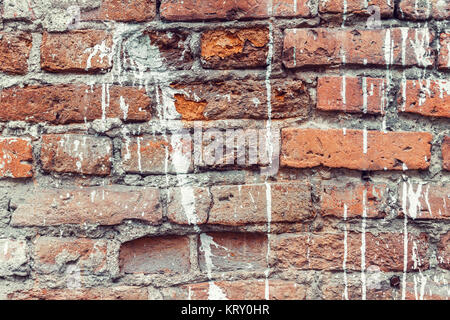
x=224, y=149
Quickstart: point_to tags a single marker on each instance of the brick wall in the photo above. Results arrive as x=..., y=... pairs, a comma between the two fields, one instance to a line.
x=224, y=149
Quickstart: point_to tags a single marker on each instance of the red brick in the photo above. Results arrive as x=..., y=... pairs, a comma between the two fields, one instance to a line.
x=307, y=148
x=248, y=204
x=232, y=251
x=235, y=48
x=356, y=7
x=64, y=104
x=444, y=251
x=326, y=251
x=95, y=205
x=164, y=255
x=13, y=254
x=188, y=205
x=224, y=100
x=157, y=155
x=446, y=153
x=188, y=10
x=101, y=293
x=425, y=97
x=257, y=289
x=15, y=50
x=352, y=199
x=123, y=10
x=81, y=51
x=172, y=49
x=359, y=95
x=14, y=153
x=53, y=253
x=444, y=51
x=424, y=9
x=76, y=153
x=320, y=46
x=424, y=201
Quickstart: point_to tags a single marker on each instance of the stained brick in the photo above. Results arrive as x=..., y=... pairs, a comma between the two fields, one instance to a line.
x=15, y=50
x=64, y=104
x=427, y=201
x=355, y=149
x=222, y=251
x=425, y=97
x=235, y=48
x=251, y=204
x=76, y=153
x=188, y=10
x=100, y=293
x=14, y=155
x=241, y=100
x=83, y=51
x=357, y=95
x=326, y=251
x=164, y=255
x=353, y=199
x=95, y=205
x=53, y=253
x=320, y=46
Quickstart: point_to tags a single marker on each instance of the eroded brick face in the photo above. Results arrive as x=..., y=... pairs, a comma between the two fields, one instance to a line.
x=224, y=149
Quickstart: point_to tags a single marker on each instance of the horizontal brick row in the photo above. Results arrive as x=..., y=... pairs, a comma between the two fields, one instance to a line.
x=115, y=10
x=226, y=205
x=300, y=148
x=87, y=51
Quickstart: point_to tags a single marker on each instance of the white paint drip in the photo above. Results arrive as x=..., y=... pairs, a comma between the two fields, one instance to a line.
x=101, y=49
x=344, y=262
x=124, y=107
x=365, y=140
x=364, y=88
x=214, y=292
x=363, y=246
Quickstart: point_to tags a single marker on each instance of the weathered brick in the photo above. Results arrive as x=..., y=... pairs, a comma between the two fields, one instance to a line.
x=423, y=9
x=320, y=46
x=359, y=7
x=425, y=97
x=235, y=48
x=95, y=205
x=157, y=154
x=76, y=153
x=188, y=205
x=15, y=50
x=81, y=51
x=14, y=153
x=444, y=251
x=231, y=251
x=429, y=201
x=13, y=255
x=326, y=251
x=444, y=51
x=64, y=104
x=241, y=100
x=101, y=293
x=51, y=254
x=358, y=94
x=165, y=255
x=123, y=10
x=168, y=50
x=351, y=200
x=188, y=10
x=250, y=204
x=257, y=289
x=355, y=149
x=446, y=153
